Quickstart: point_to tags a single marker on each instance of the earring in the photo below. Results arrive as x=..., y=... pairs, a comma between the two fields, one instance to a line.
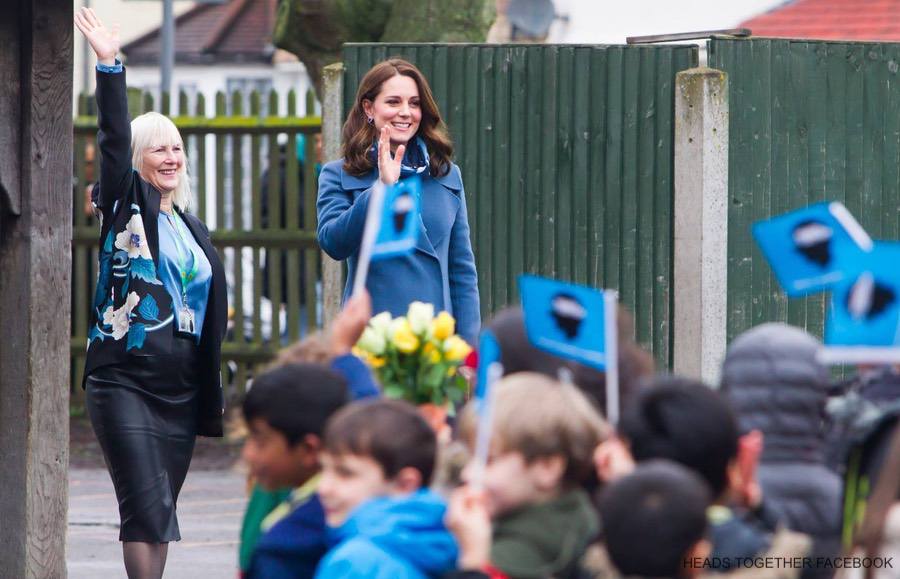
x=371, y=120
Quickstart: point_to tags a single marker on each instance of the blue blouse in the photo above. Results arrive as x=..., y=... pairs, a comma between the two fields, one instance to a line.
x=172, y=250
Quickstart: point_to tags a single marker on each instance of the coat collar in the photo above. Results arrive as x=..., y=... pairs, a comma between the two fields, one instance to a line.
x=451, y=180
x=151, y=203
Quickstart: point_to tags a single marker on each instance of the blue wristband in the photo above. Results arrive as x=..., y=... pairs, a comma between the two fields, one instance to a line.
x=117, y=67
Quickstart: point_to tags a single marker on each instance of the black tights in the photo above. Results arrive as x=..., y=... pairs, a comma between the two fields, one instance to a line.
x=145, y=560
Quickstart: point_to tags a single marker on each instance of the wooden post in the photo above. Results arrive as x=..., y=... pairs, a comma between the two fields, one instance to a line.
x=35, y=262
x=701, y=222
x=332, y=121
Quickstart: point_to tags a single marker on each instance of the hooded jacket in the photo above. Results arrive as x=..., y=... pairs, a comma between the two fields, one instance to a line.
x=545, y=540
x=775, y=385
x=392, y=538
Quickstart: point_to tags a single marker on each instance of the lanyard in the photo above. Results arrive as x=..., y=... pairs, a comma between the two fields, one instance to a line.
x=186, y=276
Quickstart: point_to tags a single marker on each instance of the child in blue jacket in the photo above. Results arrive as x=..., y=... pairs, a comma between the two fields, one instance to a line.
x=377, y=462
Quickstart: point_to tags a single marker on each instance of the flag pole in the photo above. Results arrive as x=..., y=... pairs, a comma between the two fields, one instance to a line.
x=610, y=303
x=370, y=233
x=485, y=410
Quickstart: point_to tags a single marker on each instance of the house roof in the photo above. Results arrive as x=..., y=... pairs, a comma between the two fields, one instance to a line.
x=234, y=31
x=830, y=20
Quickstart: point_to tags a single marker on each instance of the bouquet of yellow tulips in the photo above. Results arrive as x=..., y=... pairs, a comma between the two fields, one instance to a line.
x=415, y=357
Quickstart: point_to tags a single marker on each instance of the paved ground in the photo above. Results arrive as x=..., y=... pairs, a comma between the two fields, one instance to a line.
x=209, y=515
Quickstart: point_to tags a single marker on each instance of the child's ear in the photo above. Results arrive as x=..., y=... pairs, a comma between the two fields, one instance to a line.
x=311, y=447
x=408, y=480
x=312, y=443
x=699, y=550
x=612, y=459
x=548, y=471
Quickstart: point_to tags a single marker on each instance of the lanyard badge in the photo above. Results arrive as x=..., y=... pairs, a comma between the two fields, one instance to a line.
x=186, y=320
x=186, y=316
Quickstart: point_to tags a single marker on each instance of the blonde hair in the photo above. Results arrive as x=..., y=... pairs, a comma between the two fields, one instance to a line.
x=151, y=130
x=313, y=349
x=540, y=417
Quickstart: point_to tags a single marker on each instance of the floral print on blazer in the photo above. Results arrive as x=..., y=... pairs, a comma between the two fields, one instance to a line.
x=132, y=311
x=125, y=256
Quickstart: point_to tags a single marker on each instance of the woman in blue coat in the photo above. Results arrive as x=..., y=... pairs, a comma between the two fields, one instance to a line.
x=393, y=131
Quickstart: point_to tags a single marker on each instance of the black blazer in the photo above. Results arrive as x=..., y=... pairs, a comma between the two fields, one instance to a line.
x=131, y=306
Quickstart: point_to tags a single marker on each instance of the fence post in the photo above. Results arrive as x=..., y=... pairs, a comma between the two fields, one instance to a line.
x=701, y=222
x=35, y=283
x=332, y=119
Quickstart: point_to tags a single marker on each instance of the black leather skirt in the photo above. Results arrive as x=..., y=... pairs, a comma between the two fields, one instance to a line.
x=144, y=414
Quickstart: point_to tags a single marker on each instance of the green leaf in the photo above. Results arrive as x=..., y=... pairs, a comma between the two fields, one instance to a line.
x=435, y=376
x=394, y=391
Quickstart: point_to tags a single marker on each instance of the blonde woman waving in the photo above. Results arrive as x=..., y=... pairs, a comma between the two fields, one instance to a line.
x=158, y=316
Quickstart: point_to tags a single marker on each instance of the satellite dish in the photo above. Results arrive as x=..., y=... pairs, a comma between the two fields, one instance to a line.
x=533, y=17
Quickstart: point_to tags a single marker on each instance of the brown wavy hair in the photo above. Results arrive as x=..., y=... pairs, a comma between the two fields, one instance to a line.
x=358, y=135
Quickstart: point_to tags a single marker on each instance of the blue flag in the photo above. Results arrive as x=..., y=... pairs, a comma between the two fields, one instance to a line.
x=810, y=249
x=488, y=353
x=865, y=307
x=565, y=319
x=399, y=226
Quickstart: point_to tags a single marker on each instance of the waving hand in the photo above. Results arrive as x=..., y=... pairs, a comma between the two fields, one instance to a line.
x=105, y=42
x=389, y=168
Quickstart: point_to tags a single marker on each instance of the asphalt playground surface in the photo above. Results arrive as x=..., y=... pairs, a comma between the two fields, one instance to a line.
x=210, y=509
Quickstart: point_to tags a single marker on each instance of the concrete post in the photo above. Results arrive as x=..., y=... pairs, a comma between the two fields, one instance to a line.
x=701, y=222
x=332, y=121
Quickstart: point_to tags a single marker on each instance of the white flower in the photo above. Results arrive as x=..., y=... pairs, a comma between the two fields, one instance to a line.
x=381, y=323
x=372, y=342
x=133, y=240
x=396, y=324
x=420, y=315
x=119, y=319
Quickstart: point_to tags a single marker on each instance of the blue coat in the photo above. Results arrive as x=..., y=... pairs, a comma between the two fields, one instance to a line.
x=293, y=547
x=392, y=538
x=441, y=270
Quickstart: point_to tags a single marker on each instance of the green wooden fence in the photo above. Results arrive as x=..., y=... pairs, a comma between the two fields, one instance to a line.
x=810, y=121
x=567, y=157
x=230, y=154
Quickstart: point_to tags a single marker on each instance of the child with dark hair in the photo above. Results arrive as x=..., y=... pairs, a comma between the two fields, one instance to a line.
x=262, y=542
x=286, y=410
x=377, y=461
x=519, y=355
x=532, y=519
x=685, y=421
x=654, y=521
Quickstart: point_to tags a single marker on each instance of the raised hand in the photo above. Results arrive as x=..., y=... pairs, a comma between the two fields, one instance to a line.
x=388, y=168
x=468, y=519
x=105, y=42
x=350, y=323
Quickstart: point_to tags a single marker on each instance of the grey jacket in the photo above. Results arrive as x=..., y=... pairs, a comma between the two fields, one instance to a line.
x=775, y=385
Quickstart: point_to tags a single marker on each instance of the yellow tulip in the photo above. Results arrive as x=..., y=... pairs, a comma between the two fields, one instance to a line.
x=456, y=349
x=404, y=339
x=443, y=326
x=377, y=362
x=431, y=353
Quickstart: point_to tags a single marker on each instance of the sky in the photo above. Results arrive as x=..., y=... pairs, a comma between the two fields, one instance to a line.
x=611, y=21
